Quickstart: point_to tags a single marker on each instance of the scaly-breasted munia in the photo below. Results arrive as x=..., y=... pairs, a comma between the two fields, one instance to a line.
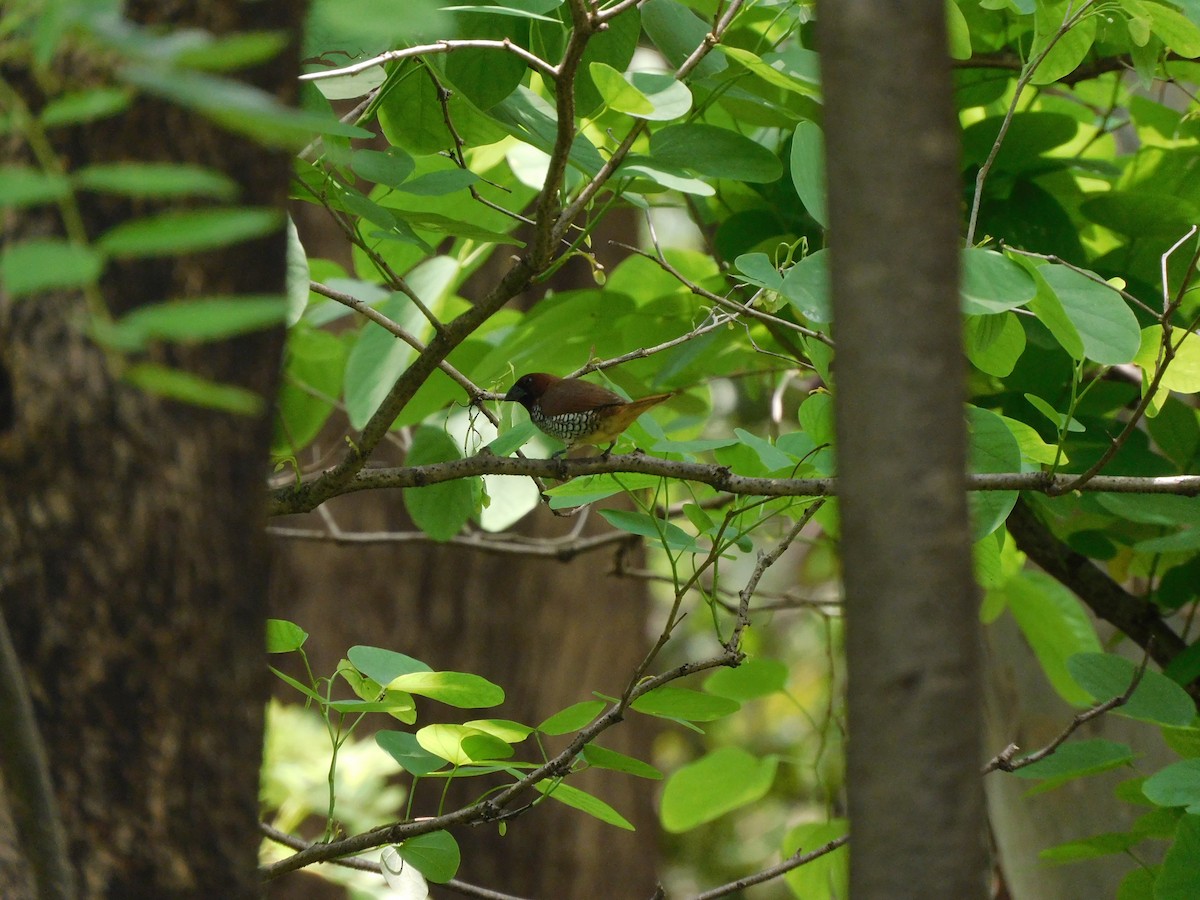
x=577, y=412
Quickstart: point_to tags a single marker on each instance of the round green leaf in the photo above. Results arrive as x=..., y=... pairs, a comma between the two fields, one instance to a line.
x=405, y=750
x=993, y=283
x=716, y=152
x=717, y=783
x=754, y=678
x=440, y=510
x=382, y=665
x=1106, y=325
x=461, y=745
x=434, y=855
x=572, y=718
x=284, y=636
x=806, y=287
x=1176, y=785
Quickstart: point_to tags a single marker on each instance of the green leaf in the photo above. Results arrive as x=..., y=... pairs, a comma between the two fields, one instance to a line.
x=186, y=387
x=1176, y=785
x=239, y=107
x=573, y=718
x=314, y=361
x=191, y=231
x=667, y=533
x=461, y=745
x=991, y=448
x=669, y=99
x=1106, y=325
x=33, y=266
x=390, y=168
x=284, y=636
x=1059, y=420
x=379, y=358
x=591, y=488
x=993, y=283
x=85, y=106
x=1174, y=29
x=145, y=179
x=677, y=32
x=603, y=758
x=231, y=52
x=806, y=287
x=716, y=152
x=1179, y=878
x=434, y=855
x=27, y=186
x=826, y=876
x=1056, y=625
x=1077, y=759
x=618, y=93
x=771, y=456
x=719, y=782
x=507, y=730
x=774, y=69
x=410, y=755
x=383, y=666
x=583, y=801
x=669, y=702
x=808, y=169
x=1093, y=847
x=1157, y=699
x=440, y=510
x=459, y=689
x=994, y=343
x=759, y=270
x=758, y=677
x=436, y=184
x=194, y=320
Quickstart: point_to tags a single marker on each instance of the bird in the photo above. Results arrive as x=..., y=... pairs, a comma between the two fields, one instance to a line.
x=577, y=412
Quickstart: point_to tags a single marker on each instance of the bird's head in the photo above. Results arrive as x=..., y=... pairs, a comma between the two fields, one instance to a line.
x=529, y=388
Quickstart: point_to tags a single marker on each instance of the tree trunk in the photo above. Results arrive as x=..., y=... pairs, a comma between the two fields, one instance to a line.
x=915, y=797
x=133, y=576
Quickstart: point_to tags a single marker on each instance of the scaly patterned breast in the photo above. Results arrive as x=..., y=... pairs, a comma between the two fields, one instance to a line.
x=567, y=427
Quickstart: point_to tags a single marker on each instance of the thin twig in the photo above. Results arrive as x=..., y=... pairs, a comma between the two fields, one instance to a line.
x=1004, y=762
x=475, y=394
x=764, y=562
x=532, y=60
x=792, y=862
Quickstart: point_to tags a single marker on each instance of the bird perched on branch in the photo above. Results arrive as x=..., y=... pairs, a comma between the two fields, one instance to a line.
x=577, y=412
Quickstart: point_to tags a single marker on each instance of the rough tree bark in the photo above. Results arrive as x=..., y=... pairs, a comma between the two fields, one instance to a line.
x=133, y=564
x=915, y=795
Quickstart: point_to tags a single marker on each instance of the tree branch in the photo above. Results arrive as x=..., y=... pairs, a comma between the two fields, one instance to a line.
x=305, y=496
x=1136, y=617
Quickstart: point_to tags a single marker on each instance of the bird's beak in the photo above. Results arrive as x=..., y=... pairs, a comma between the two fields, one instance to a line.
x=517, y=393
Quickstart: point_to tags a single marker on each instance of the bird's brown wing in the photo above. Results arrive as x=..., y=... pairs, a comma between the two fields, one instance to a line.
x=572, y=395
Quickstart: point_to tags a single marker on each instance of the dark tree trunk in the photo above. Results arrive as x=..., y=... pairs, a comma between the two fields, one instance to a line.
x=133, y=575
x=915, y=794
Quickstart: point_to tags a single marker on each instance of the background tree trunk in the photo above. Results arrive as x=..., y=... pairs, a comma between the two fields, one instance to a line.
x=133, y=578
x=915, y=797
